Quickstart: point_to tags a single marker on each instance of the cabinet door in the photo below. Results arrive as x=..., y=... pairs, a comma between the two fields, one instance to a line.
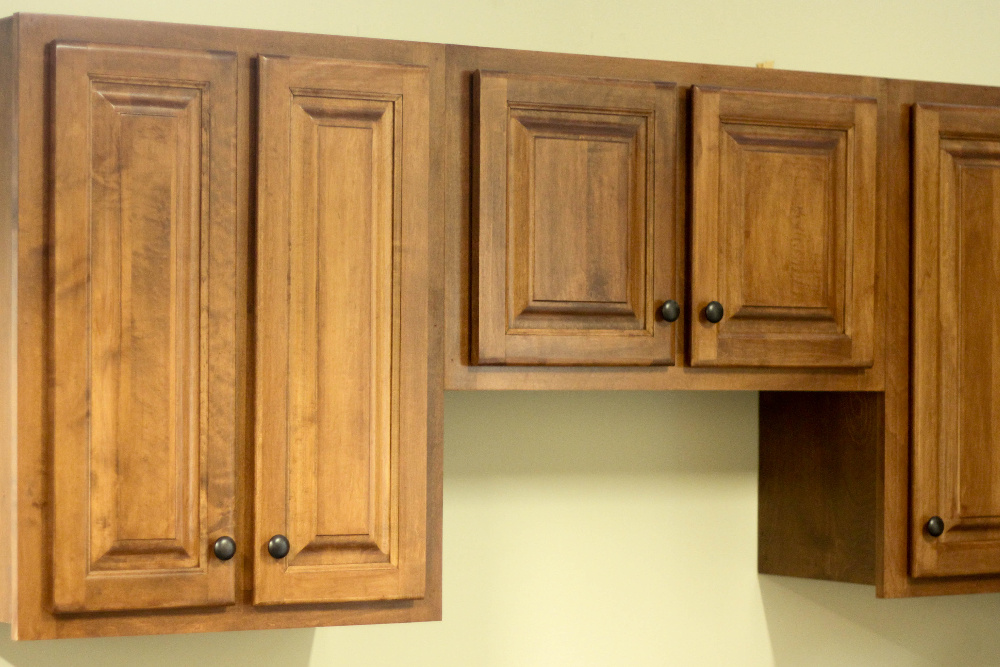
x=342, y=330
x=573, y=183
x=956, y=340
x=784, y=229
x=144, y=181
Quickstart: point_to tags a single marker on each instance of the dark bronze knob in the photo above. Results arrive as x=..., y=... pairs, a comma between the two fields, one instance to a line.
x=670, y=311
x=935, y=526
x=713, y=312
x=225, y=548
x=277, y=546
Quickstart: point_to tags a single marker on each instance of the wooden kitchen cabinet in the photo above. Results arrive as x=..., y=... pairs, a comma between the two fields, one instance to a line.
x=235, y=259
x=222, y=403
x=783, y=228
x=143, y=326
x=898, y=489
x=596, y=206
x=955, y=522
x=575, y=245
x=575, y=248
x=342, y=324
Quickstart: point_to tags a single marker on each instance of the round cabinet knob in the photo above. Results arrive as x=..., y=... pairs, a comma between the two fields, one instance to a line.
x=670, y=311
x=714, y=312
x=224, y=548
x=935, y=526
x=277, y=546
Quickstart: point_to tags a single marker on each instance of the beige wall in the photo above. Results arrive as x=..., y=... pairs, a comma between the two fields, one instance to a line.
x=597, y=528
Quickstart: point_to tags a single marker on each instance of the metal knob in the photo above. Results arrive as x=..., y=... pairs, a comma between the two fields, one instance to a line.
x=714, y=312
x=277, y=546
x=670, y=311
x=224, y=548
x=935, y=526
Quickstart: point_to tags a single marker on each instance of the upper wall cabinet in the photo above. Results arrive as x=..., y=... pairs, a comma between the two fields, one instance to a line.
x=574, y=241
x=783, y=216
x=144, y=481
x=955, y=518
x=226, y=396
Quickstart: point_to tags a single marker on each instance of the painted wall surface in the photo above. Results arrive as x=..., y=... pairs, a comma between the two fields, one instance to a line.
x=605, y=529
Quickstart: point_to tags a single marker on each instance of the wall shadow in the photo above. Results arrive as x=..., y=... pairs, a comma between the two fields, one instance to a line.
x=535, y=433
x=289, y=648
x=830, y=623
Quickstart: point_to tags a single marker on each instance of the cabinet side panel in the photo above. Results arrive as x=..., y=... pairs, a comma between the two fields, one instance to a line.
x=816, y=512
x=8, y=304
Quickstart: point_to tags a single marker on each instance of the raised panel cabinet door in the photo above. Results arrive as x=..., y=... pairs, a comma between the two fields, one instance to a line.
x=574, y=211
x=144, y=187
x=783, y=229
x=956, y=341
x=342, y=331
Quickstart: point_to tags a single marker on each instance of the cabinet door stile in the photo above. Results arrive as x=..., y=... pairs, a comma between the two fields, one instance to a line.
x=342, y=331
x=144, y=237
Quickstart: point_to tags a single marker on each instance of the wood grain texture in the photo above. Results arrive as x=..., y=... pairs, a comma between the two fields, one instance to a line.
x=896, y=459
x=33, y=617
x=956, y=452
x=461, y=239
x=817, y=484
x=8, y=310
x=144, y=318
x=575, y=241
x=783, y=226
x=341, y=321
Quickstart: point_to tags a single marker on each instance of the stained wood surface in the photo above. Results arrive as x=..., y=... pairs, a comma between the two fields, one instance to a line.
x=144, y=317
x=956, y=323
x=896, y=460
x=33, y=296
x=8, y=308
x=341, y=325
x=34, y=618
x=784, y=226
x=817, y=510
x=461, y=252
x=575, y=247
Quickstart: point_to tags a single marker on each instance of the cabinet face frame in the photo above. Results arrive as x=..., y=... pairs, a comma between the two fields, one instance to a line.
x=573, y=209
x=144, y=326
x=956, y=205
x=342, y=348
x=804, y=297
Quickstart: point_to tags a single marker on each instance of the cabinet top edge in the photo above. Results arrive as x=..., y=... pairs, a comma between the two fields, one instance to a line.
x=462, y=54
x=42, y=27
x=470, y=57
x=468, y=54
